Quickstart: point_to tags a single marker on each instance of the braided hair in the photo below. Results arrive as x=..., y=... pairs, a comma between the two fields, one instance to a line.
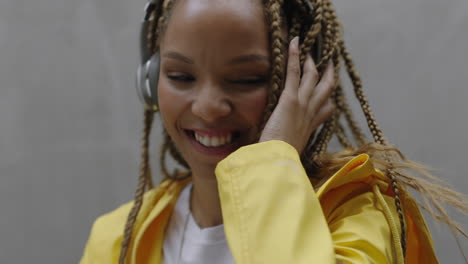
x=320, y=34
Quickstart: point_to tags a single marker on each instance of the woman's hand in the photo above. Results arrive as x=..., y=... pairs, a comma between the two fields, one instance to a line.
x=304, y=105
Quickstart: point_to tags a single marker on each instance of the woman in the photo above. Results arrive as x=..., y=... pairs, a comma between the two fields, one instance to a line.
x=240, y=98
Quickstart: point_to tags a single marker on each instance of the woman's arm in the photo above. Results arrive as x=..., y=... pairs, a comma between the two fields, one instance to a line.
x=272, y=214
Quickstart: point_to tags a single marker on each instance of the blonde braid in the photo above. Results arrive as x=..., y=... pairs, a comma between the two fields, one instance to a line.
x=142, y=181
x=357, y=83
x=377, y=134
x=343, y=107
x=312, y=34
x=278, y=62
x=332, y=36
x=176, y=155
x=162, y=155
x=295, y=28
x=328, y=129
x=342, y=137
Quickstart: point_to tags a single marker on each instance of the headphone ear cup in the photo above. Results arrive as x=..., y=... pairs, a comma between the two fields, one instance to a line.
x=142, y=90
x=147, y=82
x=154, y=69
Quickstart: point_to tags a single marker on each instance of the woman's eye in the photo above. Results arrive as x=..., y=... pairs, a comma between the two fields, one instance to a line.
x=180, y=77
x=256, y=81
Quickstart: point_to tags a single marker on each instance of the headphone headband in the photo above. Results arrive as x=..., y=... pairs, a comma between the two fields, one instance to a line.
x=148, y=71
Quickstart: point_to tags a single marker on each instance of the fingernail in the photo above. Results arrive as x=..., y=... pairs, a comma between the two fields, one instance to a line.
x=295, y=42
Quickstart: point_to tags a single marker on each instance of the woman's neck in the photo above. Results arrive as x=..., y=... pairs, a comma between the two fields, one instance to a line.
x=204, y=201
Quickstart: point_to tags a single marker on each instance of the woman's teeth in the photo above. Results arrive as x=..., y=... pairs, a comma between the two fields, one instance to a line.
x=213, y=141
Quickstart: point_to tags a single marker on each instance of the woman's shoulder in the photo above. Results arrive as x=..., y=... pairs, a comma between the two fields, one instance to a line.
x=107, y=230
x=116, y=218
x=360, y=185
x=357, y=180
x=359, y=171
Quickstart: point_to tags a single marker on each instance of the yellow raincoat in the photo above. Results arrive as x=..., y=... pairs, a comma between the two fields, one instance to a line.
x=273, y=215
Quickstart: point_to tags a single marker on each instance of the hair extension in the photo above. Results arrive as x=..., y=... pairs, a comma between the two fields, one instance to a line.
x=295, y=28
x=162, y=156
x=142, y=181
x=176, y=155
x=344, y=108
x=278, y=61
x=342, y=137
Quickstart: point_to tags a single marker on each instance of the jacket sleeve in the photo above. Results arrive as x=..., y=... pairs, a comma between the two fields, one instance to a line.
x=272, y=214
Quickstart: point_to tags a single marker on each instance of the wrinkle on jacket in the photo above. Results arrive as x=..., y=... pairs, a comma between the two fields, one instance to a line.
x=272, y=214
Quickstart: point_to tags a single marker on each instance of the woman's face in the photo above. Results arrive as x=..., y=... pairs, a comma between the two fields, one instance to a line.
x=214, y=78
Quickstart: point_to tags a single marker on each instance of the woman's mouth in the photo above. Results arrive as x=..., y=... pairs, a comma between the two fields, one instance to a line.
x=214, y=143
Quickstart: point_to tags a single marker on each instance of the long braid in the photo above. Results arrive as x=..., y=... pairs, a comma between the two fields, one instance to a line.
x=319, y=147
x=342, y=137
x=168, y=145
x=142, y=181
x=376, y=133
x=311, y=35
x=149, y=179
x=330, y=50
x=162, y=155
x=295, y=27
x=340, y=130
x=277, y=51
x=362, y=98
x=343, y=107
x=176, y=155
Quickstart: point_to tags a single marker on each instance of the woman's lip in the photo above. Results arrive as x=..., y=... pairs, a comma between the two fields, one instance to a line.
x=213, y=133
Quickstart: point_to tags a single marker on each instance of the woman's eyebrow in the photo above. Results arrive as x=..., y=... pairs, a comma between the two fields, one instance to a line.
x=177, y=56
x=237, y=60
x=249, y=58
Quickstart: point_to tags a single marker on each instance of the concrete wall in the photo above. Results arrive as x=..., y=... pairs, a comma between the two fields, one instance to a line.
x=70, y=119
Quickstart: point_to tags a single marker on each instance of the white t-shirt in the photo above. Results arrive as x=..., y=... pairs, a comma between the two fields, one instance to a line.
x=195, y=245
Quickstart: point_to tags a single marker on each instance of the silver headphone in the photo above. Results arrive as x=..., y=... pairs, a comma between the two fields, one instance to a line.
x=148, y=71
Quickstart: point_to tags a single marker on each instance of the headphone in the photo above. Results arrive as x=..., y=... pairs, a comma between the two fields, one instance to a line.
x=148, y=71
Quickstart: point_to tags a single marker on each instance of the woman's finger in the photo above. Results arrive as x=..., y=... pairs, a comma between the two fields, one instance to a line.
x=309, y=80
x=323, y=114
x=293, y=72
x=323, y=90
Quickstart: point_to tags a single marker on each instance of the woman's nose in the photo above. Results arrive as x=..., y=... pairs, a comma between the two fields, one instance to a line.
x=211, y=104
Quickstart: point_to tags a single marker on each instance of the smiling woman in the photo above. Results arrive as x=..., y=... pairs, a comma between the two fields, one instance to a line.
x=217, y=71
x=250, y=118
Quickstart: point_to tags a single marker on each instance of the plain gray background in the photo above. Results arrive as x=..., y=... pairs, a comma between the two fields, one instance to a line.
x=70, y=120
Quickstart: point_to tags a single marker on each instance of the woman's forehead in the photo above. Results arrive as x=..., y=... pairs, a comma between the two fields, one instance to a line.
x=241, y=12
x=238, y=24
x=240, y=5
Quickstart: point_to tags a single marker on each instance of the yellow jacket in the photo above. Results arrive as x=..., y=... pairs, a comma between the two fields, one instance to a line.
x=273, y=215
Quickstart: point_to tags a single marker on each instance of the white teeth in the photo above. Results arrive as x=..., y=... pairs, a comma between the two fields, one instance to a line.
x=213, y=141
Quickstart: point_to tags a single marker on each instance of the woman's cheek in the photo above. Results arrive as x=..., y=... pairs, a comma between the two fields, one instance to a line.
x=167, y=95
x=255, y=103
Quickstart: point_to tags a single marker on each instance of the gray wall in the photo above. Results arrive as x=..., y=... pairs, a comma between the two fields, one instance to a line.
x=70, y=120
